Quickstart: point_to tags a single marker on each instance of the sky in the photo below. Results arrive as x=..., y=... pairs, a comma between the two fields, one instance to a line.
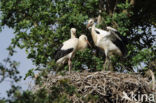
x=20, y=56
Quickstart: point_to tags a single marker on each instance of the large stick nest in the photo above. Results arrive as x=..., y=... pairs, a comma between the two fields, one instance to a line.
x=110, y=87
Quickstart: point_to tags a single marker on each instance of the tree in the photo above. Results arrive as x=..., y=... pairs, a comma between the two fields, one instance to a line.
x=9, y=68
x=9, y=71
x=42, y=25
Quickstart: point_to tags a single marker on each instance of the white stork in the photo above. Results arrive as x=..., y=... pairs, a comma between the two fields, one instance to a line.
x=109, y=40
x=73, y=32
x=67, y=51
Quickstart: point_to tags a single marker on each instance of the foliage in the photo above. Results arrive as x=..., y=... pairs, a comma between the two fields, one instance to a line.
x=83, y=57
x=40, y=26
x=9, y=70
x=59, y=94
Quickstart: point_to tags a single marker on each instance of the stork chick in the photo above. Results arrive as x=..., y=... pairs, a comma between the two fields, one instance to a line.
x=108, y=40
x=69, y=48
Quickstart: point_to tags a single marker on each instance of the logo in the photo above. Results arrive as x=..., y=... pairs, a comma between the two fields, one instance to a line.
x=138, y=97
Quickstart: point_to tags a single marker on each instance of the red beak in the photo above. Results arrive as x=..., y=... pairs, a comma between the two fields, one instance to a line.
x=88, y=25
x=88, y=43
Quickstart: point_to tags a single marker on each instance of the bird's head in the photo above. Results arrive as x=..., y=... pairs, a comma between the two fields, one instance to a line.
x=90, y=23
x=73, y=31
x=85, y=39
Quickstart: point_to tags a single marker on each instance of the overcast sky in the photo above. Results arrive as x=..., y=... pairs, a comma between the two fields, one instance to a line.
x=20, y=56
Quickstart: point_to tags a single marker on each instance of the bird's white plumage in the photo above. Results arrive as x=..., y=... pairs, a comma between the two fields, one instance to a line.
x=113, y=35
x=109, y=41
x=82, y=42
x=102, y=33
x=69, y=48
x=104, y=39
x=71, y=43
x=110, y=28
x=75, y=44
x=109, y=46
x=107, y=35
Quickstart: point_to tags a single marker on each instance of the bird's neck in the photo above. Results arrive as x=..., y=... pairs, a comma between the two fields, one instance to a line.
x=72, y=35
x=94, y=36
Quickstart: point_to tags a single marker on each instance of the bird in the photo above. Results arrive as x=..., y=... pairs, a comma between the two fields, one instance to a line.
x=99, y=18
x=73, y=32
x=69, y=48
x=110, y=40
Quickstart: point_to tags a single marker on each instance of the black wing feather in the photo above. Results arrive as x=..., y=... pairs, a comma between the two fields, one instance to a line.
x=97, y=32
x=121, y=44
x=123, y=38
x=61, y=53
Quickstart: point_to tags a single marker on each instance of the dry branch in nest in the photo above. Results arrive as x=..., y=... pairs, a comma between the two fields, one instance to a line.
x=109, y=87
